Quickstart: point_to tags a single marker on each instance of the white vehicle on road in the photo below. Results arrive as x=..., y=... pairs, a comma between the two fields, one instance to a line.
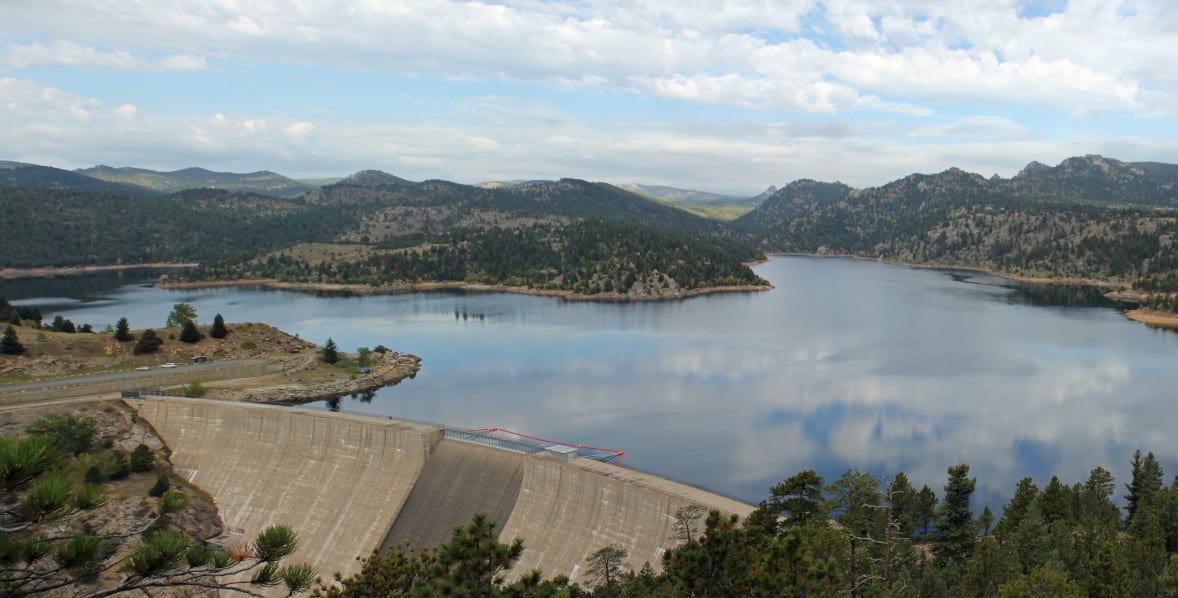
x=169, y=365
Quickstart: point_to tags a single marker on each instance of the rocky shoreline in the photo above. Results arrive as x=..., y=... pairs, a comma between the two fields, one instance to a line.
x=389, y=370
x=398, y=288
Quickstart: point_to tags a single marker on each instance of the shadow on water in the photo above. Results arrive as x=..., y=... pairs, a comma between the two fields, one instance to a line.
x=1043, y=295
x=80, y=288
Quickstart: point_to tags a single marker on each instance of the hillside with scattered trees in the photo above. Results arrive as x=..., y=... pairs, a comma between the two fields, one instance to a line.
x=1090, y=218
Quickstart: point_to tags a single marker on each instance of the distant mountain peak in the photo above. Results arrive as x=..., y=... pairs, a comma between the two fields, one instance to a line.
x=374, y=178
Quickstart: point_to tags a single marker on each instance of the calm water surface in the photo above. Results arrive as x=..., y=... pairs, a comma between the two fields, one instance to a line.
x=845, y=364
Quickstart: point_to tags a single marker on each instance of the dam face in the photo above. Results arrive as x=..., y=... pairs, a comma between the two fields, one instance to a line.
x=350, y=484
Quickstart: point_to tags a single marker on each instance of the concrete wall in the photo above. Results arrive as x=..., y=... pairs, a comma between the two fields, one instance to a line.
x=567, y=511
x=347, y=483
x=338, y=480
x=459, y=480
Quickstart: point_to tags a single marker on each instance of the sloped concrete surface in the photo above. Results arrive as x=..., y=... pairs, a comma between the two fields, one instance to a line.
x=568, y=511
x=348, y=484
x=338, y=480
x=459, y=480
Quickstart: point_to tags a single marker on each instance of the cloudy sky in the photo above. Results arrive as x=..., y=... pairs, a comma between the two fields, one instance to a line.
x=726, y=96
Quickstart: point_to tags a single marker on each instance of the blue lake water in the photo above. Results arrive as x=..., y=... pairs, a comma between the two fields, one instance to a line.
x=845, y=364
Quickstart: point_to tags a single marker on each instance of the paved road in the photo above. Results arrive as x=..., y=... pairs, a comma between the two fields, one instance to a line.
x=133, y=377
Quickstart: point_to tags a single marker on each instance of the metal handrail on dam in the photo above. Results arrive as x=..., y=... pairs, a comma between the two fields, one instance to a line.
x=530, y=445
x=485, y=439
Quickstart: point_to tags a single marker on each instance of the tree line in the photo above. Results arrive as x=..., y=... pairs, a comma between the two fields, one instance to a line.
x=859, y=536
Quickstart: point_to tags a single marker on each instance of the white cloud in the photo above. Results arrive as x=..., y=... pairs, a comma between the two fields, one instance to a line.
x=837, y=55
x=71, y=54
x=495, y=140
x=127, y=111
x=976, y=127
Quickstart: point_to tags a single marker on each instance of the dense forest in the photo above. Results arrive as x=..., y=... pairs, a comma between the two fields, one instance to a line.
x=586, y=257
x=854, y=536
x=70, y=228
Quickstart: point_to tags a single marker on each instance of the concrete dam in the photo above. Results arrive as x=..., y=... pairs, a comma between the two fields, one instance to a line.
x=350, y=484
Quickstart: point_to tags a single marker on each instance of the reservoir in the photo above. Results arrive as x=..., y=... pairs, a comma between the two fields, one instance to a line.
x=846, y=364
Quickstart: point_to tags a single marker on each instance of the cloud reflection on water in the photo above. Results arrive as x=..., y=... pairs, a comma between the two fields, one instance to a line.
x=845, y=364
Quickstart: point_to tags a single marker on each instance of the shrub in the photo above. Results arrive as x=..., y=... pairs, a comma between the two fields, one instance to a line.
x=189, y=332
x=148, y=342
x=69, y=433
x=142, y=459
x=162, y=484
x=194, y=389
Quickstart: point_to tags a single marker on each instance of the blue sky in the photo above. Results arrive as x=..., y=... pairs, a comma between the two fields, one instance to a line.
x=720, y=96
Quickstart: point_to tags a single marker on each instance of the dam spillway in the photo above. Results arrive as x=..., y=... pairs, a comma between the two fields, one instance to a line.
x=350, y=484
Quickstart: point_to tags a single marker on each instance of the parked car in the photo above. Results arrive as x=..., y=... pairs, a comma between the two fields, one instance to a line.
x=169, y=365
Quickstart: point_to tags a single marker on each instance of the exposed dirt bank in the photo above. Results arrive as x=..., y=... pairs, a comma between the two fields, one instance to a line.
x=1160, y=319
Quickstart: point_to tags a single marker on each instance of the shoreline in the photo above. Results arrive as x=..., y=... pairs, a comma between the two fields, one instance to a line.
x=52, y=271
x=1154, y=319
x=427, y=287
x=394, y=368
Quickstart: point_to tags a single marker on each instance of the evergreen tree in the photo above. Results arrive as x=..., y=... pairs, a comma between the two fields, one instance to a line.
x=123, y=331
x=902, y=497
x=149, y=342
x=1014, y=511
x=986, y=519
x=956, y=528
x=10, y=344
x=799, y=499
x=218, y=330
x=142, y=459
x=469, y=563
x=605, y=569
x=70, y=434
x=925, y=509
x=1057, y=502
x=1147, y=480
x=330, y=352
x=1095, y=500
x=189, y=332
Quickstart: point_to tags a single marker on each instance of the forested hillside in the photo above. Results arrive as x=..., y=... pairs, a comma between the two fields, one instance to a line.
x=68, y=228
x=586, y=257
x=19, y=174
x=1089, y=217
x=566, y=235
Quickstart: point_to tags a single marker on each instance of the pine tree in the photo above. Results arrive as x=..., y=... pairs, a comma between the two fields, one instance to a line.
x=606, y=569
x=148, y=342
x=924, y=508
x=123, y=331
x=1147, y=480
x=956, y=528
x=330, y=353
x=218, y=330
x=10, y=344
x=189, y=332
